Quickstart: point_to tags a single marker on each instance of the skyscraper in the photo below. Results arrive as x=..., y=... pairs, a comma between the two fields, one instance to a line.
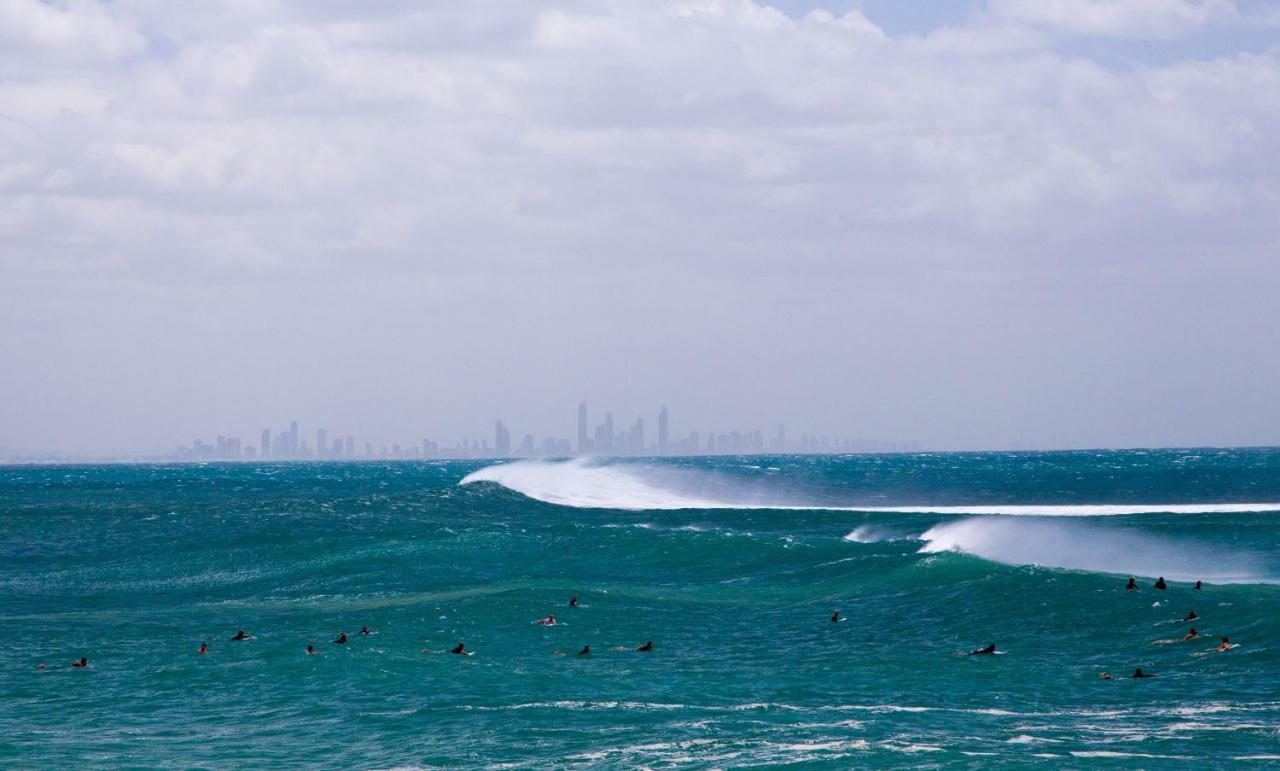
x=584, y=445
x=293, y=439
x=501, y=440
x=322, y=442
x=265, y=447
x=662, y=431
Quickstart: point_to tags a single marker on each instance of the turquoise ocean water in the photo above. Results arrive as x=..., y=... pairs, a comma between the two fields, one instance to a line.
x=731, y=566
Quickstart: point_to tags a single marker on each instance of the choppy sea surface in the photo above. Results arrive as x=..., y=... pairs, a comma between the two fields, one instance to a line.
x=731, y=566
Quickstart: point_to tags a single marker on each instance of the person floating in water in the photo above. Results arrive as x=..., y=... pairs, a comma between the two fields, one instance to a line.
x=1197, y=586
x=1191, y=616
x=1106, y=676
x=1132, y=586
x=550, y=620
x=1224, y=645
x=646, y=647
x=1160, y=584
x=1191, y=635
x=461, y=650
x=83, y=663
x=586, y=651
x=342, y=639
x=835, y=615
x=241, y=635
x=365, y=630
x=204, y=648
x=311, y=651
x=1138, y=674
x=987, y=651
x=573, y=601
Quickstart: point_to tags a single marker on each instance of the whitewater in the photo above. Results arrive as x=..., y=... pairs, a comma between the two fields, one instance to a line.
x=731, y=566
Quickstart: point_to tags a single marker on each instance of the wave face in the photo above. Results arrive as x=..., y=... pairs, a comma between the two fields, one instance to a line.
x=731, y=566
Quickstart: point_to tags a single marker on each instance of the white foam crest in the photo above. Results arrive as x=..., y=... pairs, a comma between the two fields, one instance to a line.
x=580, y=483
x=1081, y=546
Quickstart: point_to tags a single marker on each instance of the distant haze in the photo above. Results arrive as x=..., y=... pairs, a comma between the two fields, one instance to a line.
x=973, y=225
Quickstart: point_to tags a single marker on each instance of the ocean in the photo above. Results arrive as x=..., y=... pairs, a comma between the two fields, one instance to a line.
x=731, y=566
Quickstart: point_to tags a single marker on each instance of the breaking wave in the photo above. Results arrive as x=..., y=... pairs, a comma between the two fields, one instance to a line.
x=581, y=483
x=1083, y=546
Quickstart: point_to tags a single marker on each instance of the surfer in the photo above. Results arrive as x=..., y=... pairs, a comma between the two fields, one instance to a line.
x=550, y=620
x=204, y=648
x=646, y=647
x=241, y=635
x=1160, y=584
x=461, y=650
x=1132, y=586
x=1191, y=635
x=83, y=663
x=1138, y=674
x=835, y=615
x=311, y=651
x=586, y=651
x=41, y=665
x=1106, y=676
x=1197, y=586
x=1191, y=616
x=987, y=651
x=573, y=601
x=342, y=639
x=1224, y=645
x=365, y=630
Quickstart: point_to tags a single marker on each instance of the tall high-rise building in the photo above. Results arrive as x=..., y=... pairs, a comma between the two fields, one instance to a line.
x=501, y=440
x=322, y=442
x=349, y=447
x=265, y=447
x=293, y=439
x=584, y=445
x=663, y=437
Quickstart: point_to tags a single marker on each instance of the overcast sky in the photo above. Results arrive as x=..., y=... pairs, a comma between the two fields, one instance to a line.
x=973, y=224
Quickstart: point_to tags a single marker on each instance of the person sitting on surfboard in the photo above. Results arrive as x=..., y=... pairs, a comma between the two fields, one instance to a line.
x=365, y=630
x=1197, y=586
x=646, y=647
x=1138, y=674
x=311, y=651
x=1191, y=616
x=342, y=639
x=586, y=651
x=241, y=635
x=1160, y=584
x=204, y=648
x=835, y=615
x=1132, y=586
x=987, y=651
x=573, y=601
x=460, y=650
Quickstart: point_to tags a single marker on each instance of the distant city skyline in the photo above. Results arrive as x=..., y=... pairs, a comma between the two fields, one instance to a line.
x=602, y=439
x=289, y=443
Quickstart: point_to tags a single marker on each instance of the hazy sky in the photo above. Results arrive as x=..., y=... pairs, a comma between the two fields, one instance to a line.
x=973, y=224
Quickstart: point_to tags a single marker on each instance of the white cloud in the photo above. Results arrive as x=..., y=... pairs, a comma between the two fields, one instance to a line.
x=1116, y=18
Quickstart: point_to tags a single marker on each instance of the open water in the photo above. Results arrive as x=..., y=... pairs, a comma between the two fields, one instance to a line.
x=731, y=566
